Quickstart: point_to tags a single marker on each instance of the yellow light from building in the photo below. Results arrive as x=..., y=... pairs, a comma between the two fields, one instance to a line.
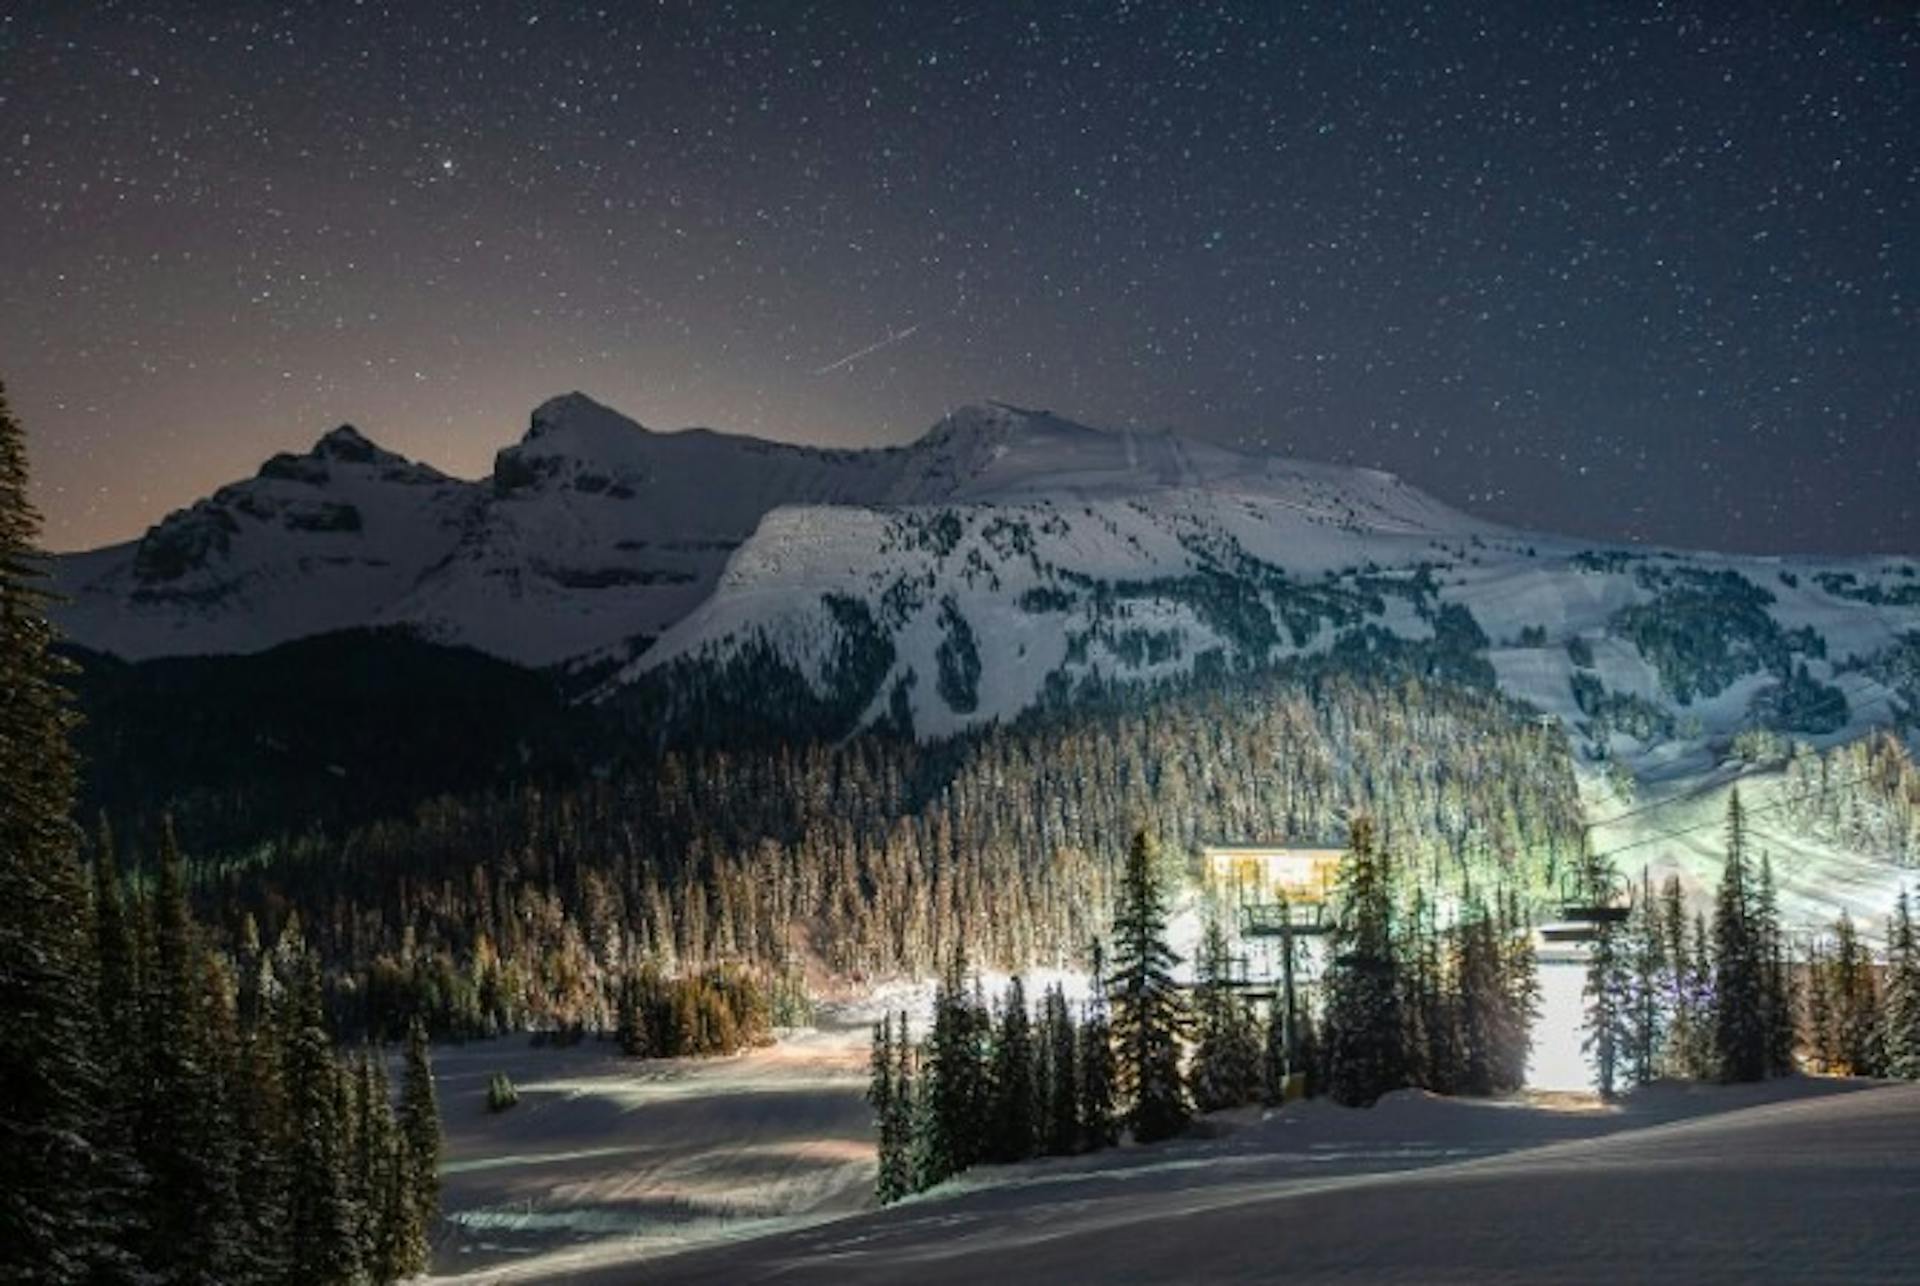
x=1252, y=873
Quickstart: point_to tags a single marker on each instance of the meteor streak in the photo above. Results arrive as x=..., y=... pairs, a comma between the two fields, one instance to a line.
x=893, y=337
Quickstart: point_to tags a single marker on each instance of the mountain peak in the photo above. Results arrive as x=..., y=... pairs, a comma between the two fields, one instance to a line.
x=348, y=445
x=577, y=413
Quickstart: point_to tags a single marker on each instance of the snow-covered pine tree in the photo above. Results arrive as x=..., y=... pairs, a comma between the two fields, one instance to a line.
x=1094, y=1068
x=1149, y=1017
x=892, y=1173
x=1902, y=1008
x=1646, y=964
x=1520, y=994
x=1226, y=1057
x=951, y=1129
x=56, y=1167
x=384, y=1230
x=188, y=1148
x=1609, y=985
x=1058, y=1076
x=263, y=1175
x=1855, y=1005
x=403, y=1231
x=1609, y=1002
x=1366, y=1056
x=1481, y=995
x=1015, y=1097
x=320, y=1231
x=1739, y=982
x=419, y=1124
x=1776, y=975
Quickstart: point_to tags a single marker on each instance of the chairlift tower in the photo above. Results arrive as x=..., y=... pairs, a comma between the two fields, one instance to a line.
x=1278, y=896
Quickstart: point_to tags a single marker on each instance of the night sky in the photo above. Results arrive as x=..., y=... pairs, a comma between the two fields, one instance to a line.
x=1644, y=272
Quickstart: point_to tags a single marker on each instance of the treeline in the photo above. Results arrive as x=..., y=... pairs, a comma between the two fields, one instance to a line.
x=1411, y=1001
x=533, y=909
x=1405, y=1004
x=168, y=1113
x=1675, y=995
x=1863, y=796
x=255, y=1152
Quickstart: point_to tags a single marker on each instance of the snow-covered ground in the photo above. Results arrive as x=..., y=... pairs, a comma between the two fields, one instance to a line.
x=610, y=1158
x=1792, y=1182
x=742, y=1169
x=759, y=1168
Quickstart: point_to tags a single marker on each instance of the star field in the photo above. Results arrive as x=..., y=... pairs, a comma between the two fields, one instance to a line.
x=1641, y=272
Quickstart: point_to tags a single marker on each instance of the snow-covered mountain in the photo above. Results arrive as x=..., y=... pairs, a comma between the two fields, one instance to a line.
x=592, y=534
x=1008, y=558
x=1035, y=557
x=1011, y=559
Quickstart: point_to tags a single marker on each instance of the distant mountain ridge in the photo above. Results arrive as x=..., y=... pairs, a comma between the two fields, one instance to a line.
x=1007, y=559
x=593, y=534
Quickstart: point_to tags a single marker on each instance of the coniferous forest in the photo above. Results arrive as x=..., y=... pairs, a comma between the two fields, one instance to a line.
x=1405, y=1003
x=538, y=908
x=177, y=1107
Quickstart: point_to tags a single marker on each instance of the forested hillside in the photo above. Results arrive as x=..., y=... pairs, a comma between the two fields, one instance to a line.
x=525, y=907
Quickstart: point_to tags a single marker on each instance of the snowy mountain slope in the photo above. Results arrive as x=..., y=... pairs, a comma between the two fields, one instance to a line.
x=990, y=607
x=592, y=534
x=597, y=534
x=314, y=543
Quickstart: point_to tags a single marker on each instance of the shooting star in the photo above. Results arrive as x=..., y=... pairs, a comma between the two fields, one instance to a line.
x=893, y=337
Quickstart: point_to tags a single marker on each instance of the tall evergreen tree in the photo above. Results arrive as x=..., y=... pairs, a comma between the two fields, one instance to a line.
x=952, y=1132
x=1683, y=1052
x=1739, y=971
x=1609, y=982
x=1015, y=1094
x=1148, y=1015
x=1854, y=1043
x=1776, y=974
x=1609, y=1009
x=893, y=1174
x=1482, y=997
x=374, y=1139
x=1058, y=1076
x=902, y=1110
x=1520, y=993
x=263, y=1172
x=55, y=1160
x=1902, y=1009
x=419, y=1122
x=1366, y=1055
x=1428, y=1006
x=1097, y=1076
x=1226, y=1057
x=321, y=1235
x=1646, y=965
x=187, y=1138
x=123, y=1068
